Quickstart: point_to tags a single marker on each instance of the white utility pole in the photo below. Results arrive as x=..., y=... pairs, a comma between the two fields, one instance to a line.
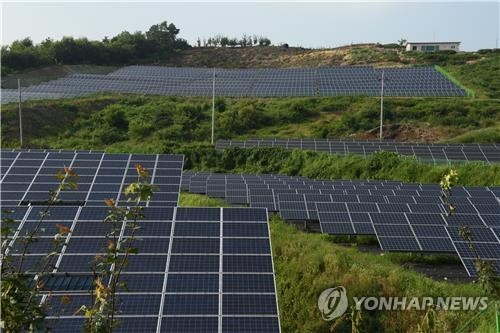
x=20, y=117
x=382, y=106
x=213, y=106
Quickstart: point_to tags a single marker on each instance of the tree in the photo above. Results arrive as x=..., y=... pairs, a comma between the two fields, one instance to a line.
x=23, y=283
x=224, y=41
x=264, y=41
x=163, y=35
x=233, y=42
x=255, y=39
x=244, y=41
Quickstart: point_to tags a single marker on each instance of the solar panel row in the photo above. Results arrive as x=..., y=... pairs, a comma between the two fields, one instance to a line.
x=244, y=188
x=213, y=264
x=437, y=153
x=28, y=176
x=420, y=81
x=197, y=269
x=404, y=217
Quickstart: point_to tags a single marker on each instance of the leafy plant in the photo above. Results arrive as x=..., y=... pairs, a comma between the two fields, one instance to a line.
x=21, y=309
x=487, y=277
x=100, y=316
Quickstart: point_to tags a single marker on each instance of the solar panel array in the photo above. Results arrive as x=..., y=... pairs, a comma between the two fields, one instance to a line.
x=196, y=270
x=157, y=80
x=404, y=217
x=437, y=153
x=28, y=176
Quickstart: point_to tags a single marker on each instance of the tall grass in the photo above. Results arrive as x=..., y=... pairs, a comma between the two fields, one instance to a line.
x=306, y=264
x=382, y=165
x=470, y=92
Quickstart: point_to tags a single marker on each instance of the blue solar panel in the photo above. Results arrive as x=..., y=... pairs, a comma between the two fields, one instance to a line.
x=186, y=304
x=192, y=283
x=203, y=324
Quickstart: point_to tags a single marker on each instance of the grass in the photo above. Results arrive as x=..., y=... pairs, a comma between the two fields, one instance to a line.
x=112, y=121
x=306, y=264
x=491, y=135
x=481, y=75
x=198, y=200
x=380, y=165
x=470, y=92
x=35, y=76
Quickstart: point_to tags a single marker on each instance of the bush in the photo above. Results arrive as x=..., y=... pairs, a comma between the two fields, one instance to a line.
x=381, y=165
x=139, y=129
x=115, y=117
x=160, y=41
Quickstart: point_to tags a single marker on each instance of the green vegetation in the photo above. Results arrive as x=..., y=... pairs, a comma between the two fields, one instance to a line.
x=151, y=122
x=383, y=165
x=225, y=41
x=482, y=75
x=159, y=41
x=491, y=135
x=470, y=92
x=306, y=264
x=365, y=55
x=197, y=200
x=39, y=75
x=453, y=115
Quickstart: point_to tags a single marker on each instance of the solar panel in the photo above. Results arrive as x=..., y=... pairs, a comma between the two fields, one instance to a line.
x=190, y=259
x=393, y=211
x=220, y=266
x=97, y=180
x=334, y=81
x=487, y=153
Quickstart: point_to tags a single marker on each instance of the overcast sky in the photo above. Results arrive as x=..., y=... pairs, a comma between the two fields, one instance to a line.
x=475, y=24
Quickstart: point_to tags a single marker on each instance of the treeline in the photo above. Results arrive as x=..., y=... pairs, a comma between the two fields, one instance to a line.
x=160, y=41
x=225, y=41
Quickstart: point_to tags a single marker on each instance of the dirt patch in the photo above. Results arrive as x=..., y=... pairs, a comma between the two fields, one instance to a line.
x=405, y=133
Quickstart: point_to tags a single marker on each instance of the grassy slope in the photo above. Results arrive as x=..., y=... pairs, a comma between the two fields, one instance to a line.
x=481, y=76
x=38, y=75
x=472, y=69
x=84, y=121
x=383, y=166
x=196, y=200
x=306, y=264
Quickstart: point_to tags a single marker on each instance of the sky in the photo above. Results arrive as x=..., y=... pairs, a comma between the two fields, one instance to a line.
x=321, y=24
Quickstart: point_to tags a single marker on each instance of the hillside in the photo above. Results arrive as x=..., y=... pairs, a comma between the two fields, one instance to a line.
x=279, y=57
x=150, y=122
x=477, y=71
x=305, y=263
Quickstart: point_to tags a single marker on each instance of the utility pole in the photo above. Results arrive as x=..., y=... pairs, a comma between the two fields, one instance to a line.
x=382, y=106
x=213, y=106
x=20, y=117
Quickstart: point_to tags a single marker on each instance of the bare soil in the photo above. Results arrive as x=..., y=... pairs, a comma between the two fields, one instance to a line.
x=406, y=133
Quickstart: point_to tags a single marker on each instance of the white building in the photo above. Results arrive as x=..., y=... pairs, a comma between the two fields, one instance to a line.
x=432, y=46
